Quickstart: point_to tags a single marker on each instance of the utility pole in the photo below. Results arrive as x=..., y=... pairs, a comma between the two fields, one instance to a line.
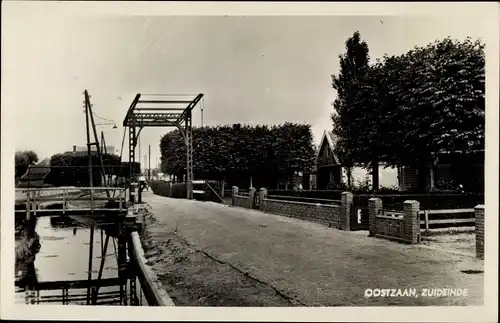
x=149, y=164
x=202, y=115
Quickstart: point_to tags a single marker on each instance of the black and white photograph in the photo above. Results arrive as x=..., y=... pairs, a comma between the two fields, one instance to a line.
x=240, y=160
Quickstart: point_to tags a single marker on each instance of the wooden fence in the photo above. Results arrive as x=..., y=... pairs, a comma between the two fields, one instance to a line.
x=439, y=219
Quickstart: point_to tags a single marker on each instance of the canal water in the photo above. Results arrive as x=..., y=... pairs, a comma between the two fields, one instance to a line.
x=64, y=255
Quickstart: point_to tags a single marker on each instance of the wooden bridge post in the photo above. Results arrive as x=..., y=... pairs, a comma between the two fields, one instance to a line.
x=132, y=274
x=122, y=261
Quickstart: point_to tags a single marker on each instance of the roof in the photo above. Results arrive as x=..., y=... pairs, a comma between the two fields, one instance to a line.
x=80, y=153
x=37, y=172
x=331, y=138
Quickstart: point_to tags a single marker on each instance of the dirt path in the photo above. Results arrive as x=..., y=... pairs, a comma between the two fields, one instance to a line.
x=209, y=255
x=194, y=278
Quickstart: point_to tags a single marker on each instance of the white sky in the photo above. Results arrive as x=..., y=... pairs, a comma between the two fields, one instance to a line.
x=269, y=69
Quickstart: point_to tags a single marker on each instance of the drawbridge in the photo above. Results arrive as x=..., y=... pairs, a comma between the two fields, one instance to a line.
x=105, y=208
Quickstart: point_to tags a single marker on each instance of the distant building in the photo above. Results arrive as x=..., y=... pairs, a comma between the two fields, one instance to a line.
x=83, y=151
x=329, y=169
x=35, y=175
x=450, y=170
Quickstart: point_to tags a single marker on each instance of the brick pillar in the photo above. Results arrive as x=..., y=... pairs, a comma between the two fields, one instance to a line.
x=262, y=196
x=345, y=212
x=251, y=197
x=479, y=215
x=411, y=222
x=374, y=207
x=233, y=196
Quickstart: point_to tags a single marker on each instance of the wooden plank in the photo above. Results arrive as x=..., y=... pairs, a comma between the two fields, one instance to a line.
x=80, y=210
x=444, y=221
x=100, y=188
x=82, y=295
x=148, y=288
x=447, y=211
x=389, y=217
x=75, y=284
x=70, y=199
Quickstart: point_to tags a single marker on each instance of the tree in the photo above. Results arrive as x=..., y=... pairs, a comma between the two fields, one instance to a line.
x=23, y=159
x=354, y=117
x=69, y=170
x=435, y=103
x=240, y=152
x=404, y=110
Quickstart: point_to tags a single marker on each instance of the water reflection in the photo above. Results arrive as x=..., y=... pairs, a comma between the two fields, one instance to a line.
x=64, y=255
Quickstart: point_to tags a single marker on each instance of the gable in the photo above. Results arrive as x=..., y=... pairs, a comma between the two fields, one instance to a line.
x=327, y=144
x=326, y=155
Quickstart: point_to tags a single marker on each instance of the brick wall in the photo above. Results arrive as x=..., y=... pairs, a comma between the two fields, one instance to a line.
x=242, y=201
x=479, y=215
x=404, y=226
x=390, y=226
x=338, y=216
x=323, y=213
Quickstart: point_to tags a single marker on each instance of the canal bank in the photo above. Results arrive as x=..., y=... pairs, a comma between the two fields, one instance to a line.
x=64, y=255
x=61, y=260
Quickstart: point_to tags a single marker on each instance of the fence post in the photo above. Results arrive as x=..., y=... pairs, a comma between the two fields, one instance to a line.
x=411, y=222
x=479, y=215
x=345, y=214
x=233, y=196
x=374, y=208
x=251, y=197
x=426, y=220
x=263, y=195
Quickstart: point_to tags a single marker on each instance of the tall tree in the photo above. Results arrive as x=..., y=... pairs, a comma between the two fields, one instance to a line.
x=354, y=111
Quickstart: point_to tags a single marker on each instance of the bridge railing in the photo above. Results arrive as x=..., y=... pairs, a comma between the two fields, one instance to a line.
x=65, y=195
x=148, y=286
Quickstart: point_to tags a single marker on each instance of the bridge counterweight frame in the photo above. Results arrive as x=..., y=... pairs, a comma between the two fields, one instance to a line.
x=162, y=117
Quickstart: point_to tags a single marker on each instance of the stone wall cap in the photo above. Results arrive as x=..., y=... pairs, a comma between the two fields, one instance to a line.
x=410, y=202
x=479, y=207
x=375, y=199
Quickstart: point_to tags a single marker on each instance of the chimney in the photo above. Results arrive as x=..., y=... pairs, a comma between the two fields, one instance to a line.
x=74, y=148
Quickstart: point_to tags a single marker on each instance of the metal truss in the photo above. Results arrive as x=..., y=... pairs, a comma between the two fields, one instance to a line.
x=159, y=113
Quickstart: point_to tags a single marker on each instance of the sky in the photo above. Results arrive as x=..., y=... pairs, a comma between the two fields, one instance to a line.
x=256, y=70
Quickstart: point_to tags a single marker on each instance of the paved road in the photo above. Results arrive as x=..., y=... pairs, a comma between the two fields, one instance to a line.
x=311, y=263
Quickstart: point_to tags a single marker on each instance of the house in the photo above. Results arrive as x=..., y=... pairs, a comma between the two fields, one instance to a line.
x=35, y=175
x=329, y=169
x=450, y=169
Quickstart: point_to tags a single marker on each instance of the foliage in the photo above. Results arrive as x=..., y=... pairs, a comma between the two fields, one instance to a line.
x=69, y=170
x=237, y=151
x=404, y=109
x=349, y=109
x=22, y=160
x=434, y=102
